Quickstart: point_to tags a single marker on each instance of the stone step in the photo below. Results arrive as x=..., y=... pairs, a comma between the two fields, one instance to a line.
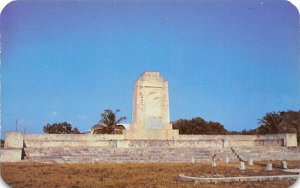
x=268, y=153
x=124, y=154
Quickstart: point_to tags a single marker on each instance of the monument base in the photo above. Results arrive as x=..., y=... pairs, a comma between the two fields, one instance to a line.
x=152, y=147
x=151, y=134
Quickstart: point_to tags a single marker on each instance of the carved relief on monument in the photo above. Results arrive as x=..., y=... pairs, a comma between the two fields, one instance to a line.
x=153, y=102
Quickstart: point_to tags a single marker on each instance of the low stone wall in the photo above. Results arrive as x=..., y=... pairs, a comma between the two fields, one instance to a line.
x=182, y=177
x=15, y=142
x=13, y=147
x=18, y=140
x=132, y=155
x=72, y=137
x=175, y=143
x=56, y=140
x=246, y=140
x=11, y=155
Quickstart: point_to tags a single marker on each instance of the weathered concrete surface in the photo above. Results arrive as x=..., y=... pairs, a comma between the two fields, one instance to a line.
x=11, y=155
x=56, y=140
x=180, y=141
x=137, y=155
x=292, y=170
x=250, y=161
x=150, y=117
x=141, y=154
x=258, y=153
x=269, y=167
x=283, y=164
x=182, y=177
x=72, y=137
x=290, y=140
x=242, y=165
x=13, y=147
x=13, y=140
x=247, y=140
x=119, y=149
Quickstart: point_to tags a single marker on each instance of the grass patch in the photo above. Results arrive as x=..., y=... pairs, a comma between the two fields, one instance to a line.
x=131, y=174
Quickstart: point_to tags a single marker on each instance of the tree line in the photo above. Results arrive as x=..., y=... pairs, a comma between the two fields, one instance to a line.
x=276, y=123
x=60, y=128
x=108, y=124
x=198, y=125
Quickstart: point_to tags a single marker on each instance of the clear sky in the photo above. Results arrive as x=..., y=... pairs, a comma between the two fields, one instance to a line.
x=227, y=61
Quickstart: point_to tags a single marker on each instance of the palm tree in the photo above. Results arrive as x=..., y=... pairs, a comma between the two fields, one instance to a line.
x=270, y=123
x=109, y=123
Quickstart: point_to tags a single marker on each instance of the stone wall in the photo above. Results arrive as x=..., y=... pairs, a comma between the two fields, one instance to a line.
x=13, y=147
x=72, y=137
x=11, y=155
x=246, y=140
x=16, y=142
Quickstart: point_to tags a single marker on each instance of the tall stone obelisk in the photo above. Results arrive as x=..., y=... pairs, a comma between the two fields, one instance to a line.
x=150, y=117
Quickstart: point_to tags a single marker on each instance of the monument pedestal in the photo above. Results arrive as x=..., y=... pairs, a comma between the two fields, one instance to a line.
x=151, y=134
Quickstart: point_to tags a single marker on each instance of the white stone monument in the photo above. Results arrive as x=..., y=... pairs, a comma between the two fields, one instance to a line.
x=150, y=117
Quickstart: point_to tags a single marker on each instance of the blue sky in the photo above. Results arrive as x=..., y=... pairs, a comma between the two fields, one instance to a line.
x=226, y=61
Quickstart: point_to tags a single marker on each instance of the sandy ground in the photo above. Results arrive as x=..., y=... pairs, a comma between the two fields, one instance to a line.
x=134, y=174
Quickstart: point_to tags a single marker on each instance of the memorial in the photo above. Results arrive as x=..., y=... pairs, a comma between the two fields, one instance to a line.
x=150, y=117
